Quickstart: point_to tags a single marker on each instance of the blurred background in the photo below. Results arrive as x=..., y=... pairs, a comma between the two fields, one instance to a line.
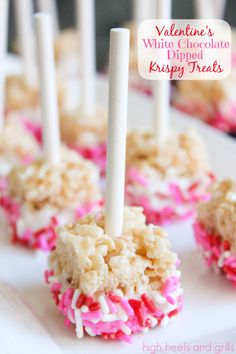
x=112, y=13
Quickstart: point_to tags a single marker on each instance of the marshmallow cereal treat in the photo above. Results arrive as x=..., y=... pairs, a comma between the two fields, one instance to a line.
x=19, y=95
x=211, y=101
x=168, y=180
x=66, y=48
x=114, y=288
x=17, y=147
x=86, y=135
x=215, y=228
x=42, y=196
x=22, y=104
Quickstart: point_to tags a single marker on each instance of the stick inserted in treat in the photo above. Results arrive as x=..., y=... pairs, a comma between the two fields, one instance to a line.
x=86, y=25
x=219, y=8
x=204, y=9
x=50, y=7
x=117, y=122
x=49, y=107
x=24, y=18
x=4, y=7
x=142, y=10
x=161, y=88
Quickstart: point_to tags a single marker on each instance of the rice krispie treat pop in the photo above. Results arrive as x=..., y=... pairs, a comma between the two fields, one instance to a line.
x=66, y=42
x=22, y=99
x=58, y=189
x=142, y=10
x=167, y=179
x=16, y=145
x=166, y=173
x=212, y=101
x=112, y=275
x=85, y=130
x=215, y=228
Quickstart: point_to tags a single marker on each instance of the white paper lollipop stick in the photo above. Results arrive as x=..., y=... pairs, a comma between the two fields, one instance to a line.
x=117, y=125
x=48, y=91
x=86, y=26
x=142, y=11
x=24, y=22
x=220, y=8
x=4, y=7
x=161, y=88
x=50, y=7
x=204, y=9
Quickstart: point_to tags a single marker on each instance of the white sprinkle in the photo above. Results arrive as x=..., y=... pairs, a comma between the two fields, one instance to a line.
x=122, y=314
x=159, y=299
x=227, y=254
x=126, y=330
x=53, y=279
x=154, y=321
x=220, y=262
x=110, y=318
x=70, y=316
x=216, y=269
x=145, y=330
x=79, y=324
x=104, y=306
x=178, y=273
x=118, y=292
x=59, y=296
x=207, y=254
x=165, y=321
x=75, y=298
x=177, y=293
x=94, y=320
x=168, y=307
x=20, y=227
x=84, y=308
x=90, y=331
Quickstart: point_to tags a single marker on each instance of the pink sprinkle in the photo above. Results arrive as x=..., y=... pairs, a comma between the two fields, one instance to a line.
x=47, y=274
x=176, y=193
x=27, y=159
x=67, y=322
x=88, y=208
x=68, y=295
x=134, y=175
x=169, y=286
x=126, y=306
x=55, y=287
x=3, y=184
x=91, y=315
x=121, y=336
x=170, y=300
x=112, y=306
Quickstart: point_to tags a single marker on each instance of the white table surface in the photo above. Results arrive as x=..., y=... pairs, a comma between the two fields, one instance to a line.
x=30, y=323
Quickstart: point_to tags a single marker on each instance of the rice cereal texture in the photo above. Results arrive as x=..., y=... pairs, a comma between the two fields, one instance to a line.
x=42, y=197
x=218, y=215
x=166, y=180
x=113, y=287
x=17, y=146
x=215, y=228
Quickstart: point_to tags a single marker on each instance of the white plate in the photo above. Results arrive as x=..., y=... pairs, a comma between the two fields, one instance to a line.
x=30, y=323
